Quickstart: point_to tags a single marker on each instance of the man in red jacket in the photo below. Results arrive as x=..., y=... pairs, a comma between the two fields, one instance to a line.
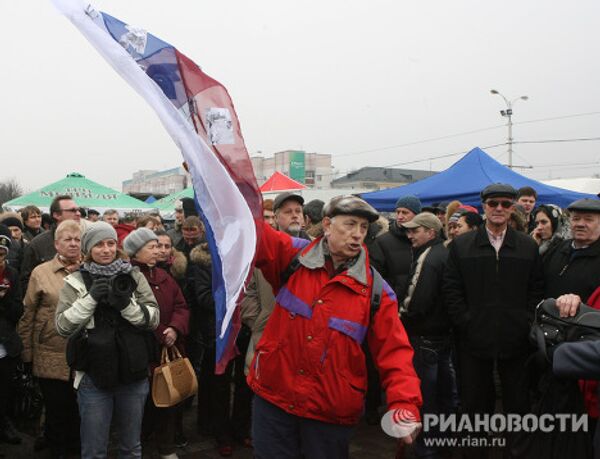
x=309, y=372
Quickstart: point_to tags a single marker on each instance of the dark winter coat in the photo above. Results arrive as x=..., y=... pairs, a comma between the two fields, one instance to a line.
x=174, y=311
x=184, y=248
x=38, y=251
x=11, y=309
x=199, y=296
x=15, y=256
x=572, y=271
x=426, y=314
x=491, y=298
x=30, y=233
x=391, y=255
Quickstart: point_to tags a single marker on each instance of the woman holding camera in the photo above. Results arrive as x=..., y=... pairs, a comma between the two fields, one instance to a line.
x=108, y=310
x=142, y=246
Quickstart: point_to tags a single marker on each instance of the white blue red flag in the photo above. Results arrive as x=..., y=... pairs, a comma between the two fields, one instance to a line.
x=199, y=115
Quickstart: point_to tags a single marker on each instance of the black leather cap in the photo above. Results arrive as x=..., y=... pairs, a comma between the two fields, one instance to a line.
x=282, y=197
x=585, y=205
x=496, y=190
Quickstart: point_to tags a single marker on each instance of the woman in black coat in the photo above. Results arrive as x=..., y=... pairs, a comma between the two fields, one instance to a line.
x=11, y=309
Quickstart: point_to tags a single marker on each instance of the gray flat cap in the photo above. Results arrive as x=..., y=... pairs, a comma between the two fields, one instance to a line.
x=350, y=205
x=496, y=190
x=585, y=205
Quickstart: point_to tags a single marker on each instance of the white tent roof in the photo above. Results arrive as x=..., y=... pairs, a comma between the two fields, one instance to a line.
x=581, y=184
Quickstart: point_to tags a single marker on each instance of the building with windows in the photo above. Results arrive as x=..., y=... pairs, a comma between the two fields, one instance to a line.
x=377, y=178
x=312, y=169
x=157, y=183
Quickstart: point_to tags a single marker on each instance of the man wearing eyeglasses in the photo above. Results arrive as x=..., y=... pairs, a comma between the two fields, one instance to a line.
x=492, y=283
x=41, y=248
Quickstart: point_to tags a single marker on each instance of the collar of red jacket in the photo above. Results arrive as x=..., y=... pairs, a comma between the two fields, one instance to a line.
x=314, y=258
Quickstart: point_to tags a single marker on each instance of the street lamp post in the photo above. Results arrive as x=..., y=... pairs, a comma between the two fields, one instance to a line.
x=508, y=114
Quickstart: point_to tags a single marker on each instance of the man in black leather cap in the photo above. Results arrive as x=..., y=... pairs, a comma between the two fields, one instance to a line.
x=492, y=283
x=572, y=272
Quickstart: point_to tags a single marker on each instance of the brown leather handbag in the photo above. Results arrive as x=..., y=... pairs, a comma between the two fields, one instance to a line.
x=174, y=380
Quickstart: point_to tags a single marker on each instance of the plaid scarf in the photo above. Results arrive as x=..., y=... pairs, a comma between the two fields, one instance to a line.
x=112, y=269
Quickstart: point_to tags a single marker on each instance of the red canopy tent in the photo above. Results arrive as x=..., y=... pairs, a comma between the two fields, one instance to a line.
x=280, y=182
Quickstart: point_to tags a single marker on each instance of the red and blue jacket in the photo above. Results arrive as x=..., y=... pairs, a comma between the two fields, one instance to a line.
x=309, y=361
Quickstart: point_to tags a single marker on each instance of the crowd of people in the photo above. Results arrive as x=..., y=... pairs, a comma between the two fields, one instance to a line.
x=426, y=311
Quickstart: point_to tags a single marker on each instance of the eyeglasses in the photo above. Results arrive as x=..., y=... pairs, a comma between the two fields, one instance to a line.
x=74, y=210
x=493, y=204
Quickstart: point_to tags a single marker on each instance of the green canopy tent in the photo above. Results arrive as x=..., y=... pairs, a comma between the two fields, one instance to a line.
x=166, y=205
x=85, y=193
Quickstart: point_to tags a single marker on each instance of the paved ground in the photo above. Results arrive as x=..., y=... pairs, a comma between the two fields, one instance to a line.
x=369, y=443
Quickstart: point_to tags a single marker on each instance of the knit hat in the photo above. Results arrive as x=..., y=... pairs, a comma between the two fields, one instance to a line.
x=95, y=233
x=12, y=219
x=138, y=239
x=468, y=208
x=411, y=203
x=5, y=238
x=456, y=216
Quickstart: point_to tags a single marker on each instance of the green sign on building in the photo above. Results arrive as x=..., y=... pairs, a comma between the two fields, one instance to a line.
x=297, y=165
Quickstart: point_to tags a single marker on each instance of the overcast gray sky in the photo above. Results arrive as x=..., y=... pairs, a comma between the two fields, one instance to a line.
x=330, y=76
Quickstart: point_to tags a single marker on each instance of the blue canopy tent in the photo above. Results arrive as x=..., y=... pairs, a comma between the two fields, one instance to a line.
x=464, y=180
x=150, y=199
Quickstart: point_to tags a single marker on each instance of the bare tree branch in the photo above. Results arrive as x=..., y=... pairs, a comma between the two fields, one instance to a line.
x=9, y=189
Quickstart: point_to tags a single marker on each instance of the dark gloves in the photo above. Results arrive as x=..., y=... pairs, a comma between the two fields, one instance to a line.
x=100, y=288
x=123, y=286
x=118, y=302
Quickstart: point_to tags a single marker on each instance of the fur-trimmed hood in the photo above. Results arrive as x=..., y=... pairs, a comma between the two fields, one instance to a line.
x=201, y=255
x=178, y=265
x=378, y=227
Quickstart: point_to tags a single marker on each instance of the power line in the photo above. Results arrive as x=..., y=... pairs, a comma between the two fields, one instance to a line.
x=583, y=139
x=474, y=131
x=418, y=142
x=431, y=158
x=567, y=165
x=575, y=115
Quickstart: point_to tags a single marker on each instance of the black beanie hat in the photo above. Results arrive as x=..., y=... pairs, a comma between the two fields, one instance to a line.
x=13, y=221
